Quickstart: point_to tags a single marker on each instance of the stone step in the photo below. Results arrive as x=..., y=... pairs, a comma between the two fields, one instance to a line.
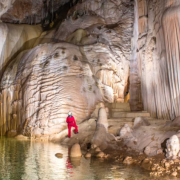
x=119, y=110
x=117, y=114
x=121, y=106
x=116, y=124
x=130, y=121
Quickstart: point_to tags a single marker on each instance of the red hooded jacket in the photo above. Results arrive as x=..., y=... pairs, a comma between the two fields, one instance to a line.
x=70, y=121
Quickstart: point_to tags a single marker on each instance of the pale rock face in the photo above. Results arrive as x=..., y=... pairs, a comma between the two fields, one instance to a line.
x=173, y=147
x=102, y=118
x=125, y=131
x=75, y=151
x=40, y=86
x=158, y=56
x=140, y=121
x=147, y=150
x=56, y=80
x=15, y=38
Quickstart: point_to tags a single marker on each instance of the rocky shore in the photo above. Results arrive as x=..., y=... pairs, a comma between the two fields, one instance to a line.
x=155, y=149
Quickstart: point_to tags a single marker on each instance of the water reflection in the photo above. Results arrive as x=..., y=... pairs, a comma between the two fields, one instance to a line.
x=37, y=161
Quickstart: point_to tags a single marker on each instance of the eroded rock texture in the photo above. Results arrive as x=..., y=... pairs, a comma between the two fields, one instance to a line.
x=158, y=56
x=91, y=65
x=29, y=12
x=90, y=57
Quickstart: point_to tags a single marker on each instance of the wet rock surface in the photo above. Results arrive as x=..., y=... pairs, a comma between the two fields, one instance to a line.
x=75, y=151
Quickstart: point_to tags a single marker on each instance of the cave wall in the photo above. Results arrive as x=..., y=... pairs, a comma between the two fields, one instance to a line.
x=158, y=56
x=83, y=61
x=15, y=39
x=29, y=12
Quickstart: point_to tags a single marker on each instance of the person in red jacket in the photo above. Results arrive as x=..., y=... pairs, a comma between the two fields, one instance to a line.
x=71, y=123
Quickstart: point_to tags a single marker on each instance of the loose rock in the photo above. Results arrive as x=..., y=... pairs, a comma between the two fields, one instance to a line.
x=100, y=154
x=59, y=155
x=75, y=151
x=128, y=160
x=87, y=155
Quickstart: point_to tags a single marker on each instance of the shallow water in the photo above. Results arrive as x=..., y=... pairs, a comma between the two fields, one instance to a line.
x=37, y=161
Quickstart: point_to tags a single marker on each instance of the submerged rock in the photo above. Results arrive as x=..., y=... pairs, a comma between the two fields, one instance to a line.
x=21, y=137
x=11, y=133
x=100, y=154
x=87, y=155
x=128, y=160
x=97, y=149
x=75, y=151
x=174, y=174
x=59, y=155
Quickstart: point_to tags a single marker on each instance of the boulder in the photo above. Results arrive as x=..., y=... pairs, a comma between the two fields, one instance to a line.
x=147, y=150
x=97, y=149
x=21, y=137
x=87, y=155
x=172, y=147
x=75, y=151
x=140, y=121
x=125, y=131
x=11, y=133
x=128, y=160
x=100, y=154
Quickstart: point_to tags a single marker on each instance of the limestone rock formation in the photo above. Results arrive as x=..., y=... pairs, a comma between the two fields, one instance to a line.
x=100, y=154
x=158, y=56
x=75, y=151
x=43, y=103
x=173, y=147
x=40, y=86
x=128, y=160
x=125, y=131
x=109, y=49
x=14, y=39
x=87, y=155
x=140, y=121
x=101, y=137
x=102, y=118
x=27, y=11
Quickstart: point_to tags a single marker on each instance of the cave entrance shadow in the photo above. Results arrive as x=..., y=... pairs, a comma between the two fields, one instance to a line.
x=163, y=145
